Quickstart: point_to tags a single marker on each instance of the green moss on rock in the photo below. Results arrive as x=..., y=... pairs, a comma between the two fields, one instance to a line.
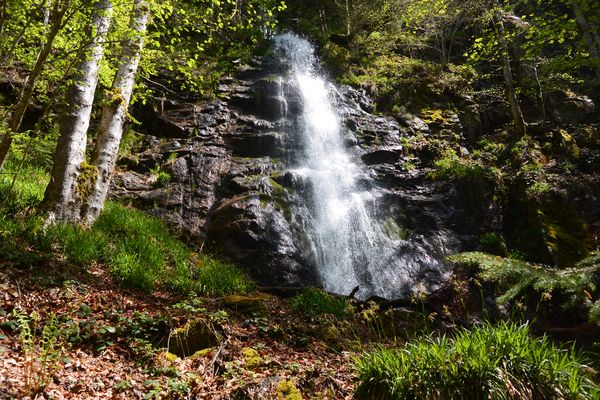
x=252, y=358
x=247, y=304
x=287, y=390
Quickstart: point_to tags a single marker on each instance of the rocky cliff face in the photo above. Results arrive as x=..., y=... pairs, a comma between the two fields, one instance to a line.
x=219, y=171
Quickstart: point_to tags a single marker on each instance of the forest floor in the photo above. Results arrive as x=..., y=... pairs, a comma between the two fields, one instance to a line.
x=103, y=341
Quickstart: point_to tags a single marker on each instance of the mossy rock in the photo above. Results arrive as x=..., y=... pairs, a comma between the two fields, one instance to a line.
x=252, y=358
x=546, y=228
x=248, y=304
x=287, y=390
x=565, y=144
x=197, y=334
x=202, y=353
x=394, y=231
x=566, y=237
x=167, y=356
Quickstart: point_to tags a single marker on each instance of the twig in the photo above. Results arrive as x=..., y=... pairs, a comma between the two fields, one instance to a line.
x=217, y=354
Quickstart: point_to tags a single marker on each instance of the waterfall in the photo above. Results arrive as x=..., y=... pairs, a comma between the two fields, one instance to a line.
x=349, y=246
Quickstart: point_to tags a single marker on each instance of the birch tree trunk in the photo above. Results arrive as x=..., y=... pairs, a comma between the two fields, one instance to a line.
x=114, y=114
x=509, y=84
x=62, y=199
x=27, y=91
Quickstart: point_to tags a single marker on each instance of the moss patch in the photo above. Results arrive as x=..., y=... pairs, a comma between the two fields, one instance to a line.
x=287, y=390
x=252, y=358
x=86, y=180
x=247, y=304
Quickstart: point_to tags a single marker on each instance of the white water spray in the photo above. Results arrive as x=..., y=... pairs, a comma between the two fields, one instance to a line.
x=351, y=249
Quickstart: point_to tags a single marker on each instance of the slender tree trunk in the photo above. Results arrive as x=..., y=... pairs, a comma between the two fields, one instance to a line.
x=62, y=198
x=509, y=85
x=590, y=37
x=114, y=114
x=323, y=19
x=2, y=16
x=348, y=23
x=540, y=93
x=27, y=91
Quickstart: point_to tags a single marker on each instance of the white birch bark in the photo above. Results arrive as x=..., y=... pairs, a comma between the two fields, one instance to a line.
x=114, y=114
x=62, y=198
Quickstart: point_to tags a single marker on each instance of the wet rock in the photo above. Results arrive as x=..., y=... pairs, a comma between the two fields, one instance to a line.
x=230, y=188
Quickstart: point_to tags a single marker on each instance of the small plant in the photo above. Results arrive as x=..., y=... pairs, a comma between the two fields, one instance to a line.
x=489, y=362
x=316, y=302
x=450, y=166
x=160, y=178
x=538, y=189
x=41, y=350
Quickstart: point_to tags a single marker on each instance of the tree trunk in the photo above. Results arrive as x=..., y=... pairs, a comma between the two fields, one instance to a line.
x=27, y=91
x=348, y=22
x=114, y=114
x=2, y=16
x=592, y=44
x=509, y=85
x=62, y=198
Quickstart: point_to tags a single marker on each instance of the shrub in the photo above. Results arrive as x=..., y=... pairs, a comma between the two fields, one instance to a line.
x=489, y=362
x=317, y=302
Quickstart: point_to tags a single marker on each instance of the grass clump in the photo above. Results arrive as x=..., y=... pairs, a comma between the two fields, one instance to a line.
x=317, y=302
x=220, y=279
x=139, y=250
x=142, y=254
x=21, y=187
x=489, y=362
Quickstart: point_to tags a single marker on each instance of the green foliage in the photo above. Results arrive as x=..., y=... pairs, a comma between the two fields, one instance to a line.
x=515, y=277
x=140, y=250
x=451, y=166
x=160, y=177
x=22, y=187
x=220, y=279
x=489, y=362
x=393, y=78
x=316, y=302
x=199, y=41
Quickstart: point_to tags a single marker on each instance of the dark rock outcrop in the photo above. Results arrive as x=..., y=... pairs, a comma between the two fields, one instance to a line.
x=231, y=187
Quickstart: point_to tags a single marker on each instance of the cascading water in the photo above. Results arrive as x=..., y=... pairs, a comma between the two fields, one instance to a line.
x=350, y=248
